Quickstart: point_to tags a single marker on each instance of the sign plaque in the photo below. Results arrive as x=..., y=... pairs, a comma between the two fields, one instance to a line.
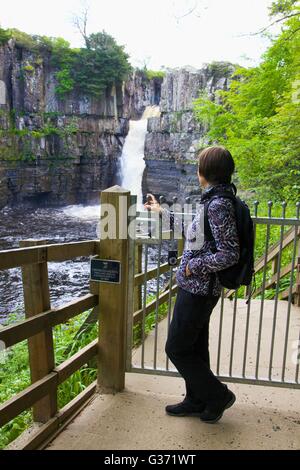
x=106, y=271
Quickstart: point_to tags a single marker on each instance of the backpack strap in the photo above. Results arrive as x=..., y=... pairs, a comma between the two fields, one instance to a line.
x=207, y=230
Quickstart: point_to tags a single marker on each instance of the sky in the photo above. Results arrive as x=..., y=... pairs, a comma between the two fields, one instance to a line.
x=155, y=33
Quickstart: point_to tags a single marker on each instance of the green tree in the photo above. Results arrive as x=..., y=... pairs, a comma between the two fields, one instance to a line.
x=89, y=70
x=258, y=119
x=100, y=65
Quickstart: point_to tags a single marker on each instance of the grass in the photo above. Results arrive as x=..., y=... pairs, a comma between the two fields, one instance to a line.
x=15, y=373
x=150, y=322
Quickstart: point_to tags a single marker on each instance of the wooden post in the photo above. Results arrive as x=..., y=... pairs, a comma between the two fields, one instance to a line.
x=138, y=270
x=113, y=298
x=275, y=264
x=41, y=351
x=297, y=296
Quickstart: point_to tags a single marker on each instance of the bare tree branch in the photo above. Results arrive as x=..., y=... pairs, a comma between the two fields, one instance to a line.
x=186, y=14
x=189, y=12
x=81, y=22
x=279, y=20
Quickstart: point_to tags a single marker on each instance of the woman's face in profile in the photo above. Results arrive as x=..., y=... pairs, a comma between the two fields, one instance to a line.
x=203, y=182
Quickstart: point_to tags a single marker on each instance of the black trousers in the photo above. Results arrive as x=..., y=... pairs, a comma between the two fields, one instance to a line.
x=188, y=347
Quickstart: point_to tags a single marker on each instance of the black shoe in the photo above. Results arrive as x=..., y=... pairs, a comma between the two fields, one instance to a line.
x=213, y=415
x=184, y=409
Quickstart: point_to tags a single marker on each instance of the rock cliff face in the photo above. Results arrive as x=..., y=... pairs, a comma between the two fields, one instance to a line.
x=174, y=137
x=55, y=151
x=140, y=92
x=64, y=151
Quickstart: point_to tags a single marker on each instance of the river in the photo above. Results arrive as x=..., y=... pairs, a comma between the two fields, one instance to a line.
x=69, y=279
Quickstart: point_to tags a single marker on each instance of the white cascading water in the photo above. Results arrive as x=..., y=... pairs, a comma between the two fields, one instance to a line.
x=132, y=166
x=132, y=161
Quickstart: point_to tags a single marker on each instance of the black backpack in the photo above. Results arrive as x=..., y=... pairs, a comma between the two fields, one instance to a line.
x=241, y=273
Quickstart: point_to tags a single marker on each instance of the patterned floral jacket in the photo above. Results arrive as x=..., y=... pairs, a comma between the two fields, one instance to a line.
x=203, y=262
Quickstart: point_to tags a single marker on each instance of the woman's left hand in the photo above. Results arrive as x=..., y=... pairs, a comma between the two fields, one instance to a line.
x=187, y=271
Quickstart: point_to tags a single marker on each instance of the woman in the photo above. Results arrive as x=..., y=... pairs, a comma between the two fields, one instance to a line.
x=199, y=291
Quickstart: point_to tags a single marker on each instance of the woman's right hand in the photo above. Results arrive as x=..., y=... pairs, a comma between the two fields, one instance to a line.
x=152, y=204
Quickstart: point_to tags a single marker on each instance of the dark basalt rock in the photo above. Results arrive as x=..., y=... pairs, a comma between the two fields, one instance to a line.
x=55, y=151
x=174, y=137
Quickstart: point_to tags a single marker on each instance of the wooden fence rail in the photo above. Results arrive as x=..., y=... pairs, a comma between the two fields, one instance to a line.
x=39, y=389
x=47, y=253
x=14, y=334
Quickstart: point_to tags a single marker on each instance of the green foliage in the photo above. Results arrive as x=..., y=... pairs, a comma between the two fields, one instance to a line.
x=258, y=119
x=274, y=236
x=65, y=82
x=65, y=346
x=100, y=66
x=221, y=69
x=155, y=74
x=4, y=36
x=15, y=374
x=28, y=68
x=23, y=39
x=283, y=7
x=150, y=321
x=14, y=377
x=90, y=70
x=20, y=144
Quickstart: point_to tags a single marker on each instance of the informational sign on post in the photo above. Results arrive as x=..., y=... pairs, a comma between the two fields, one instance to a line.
x=106, y=271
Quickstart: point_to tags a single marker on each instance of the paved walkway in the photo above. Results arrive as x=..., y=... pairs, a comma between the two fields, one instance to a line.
x=262, y=418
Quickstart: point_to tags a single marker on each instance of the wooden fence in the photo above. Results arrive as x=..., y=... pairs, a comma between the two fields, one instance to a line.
x=41, y=395
x=40, y=319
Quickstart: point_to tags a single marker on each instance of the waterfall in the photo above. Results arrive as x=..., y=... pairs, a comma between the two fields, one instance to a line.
x=132, y=166
x=132, y=160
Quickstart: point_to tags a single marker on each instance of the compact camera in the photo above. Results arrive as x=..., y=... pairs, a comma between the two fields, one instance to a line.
x=173, y=258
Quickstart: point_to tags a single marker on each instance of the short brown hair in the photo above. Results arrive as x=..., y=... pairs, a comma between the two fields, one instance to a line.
x=216, y=165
